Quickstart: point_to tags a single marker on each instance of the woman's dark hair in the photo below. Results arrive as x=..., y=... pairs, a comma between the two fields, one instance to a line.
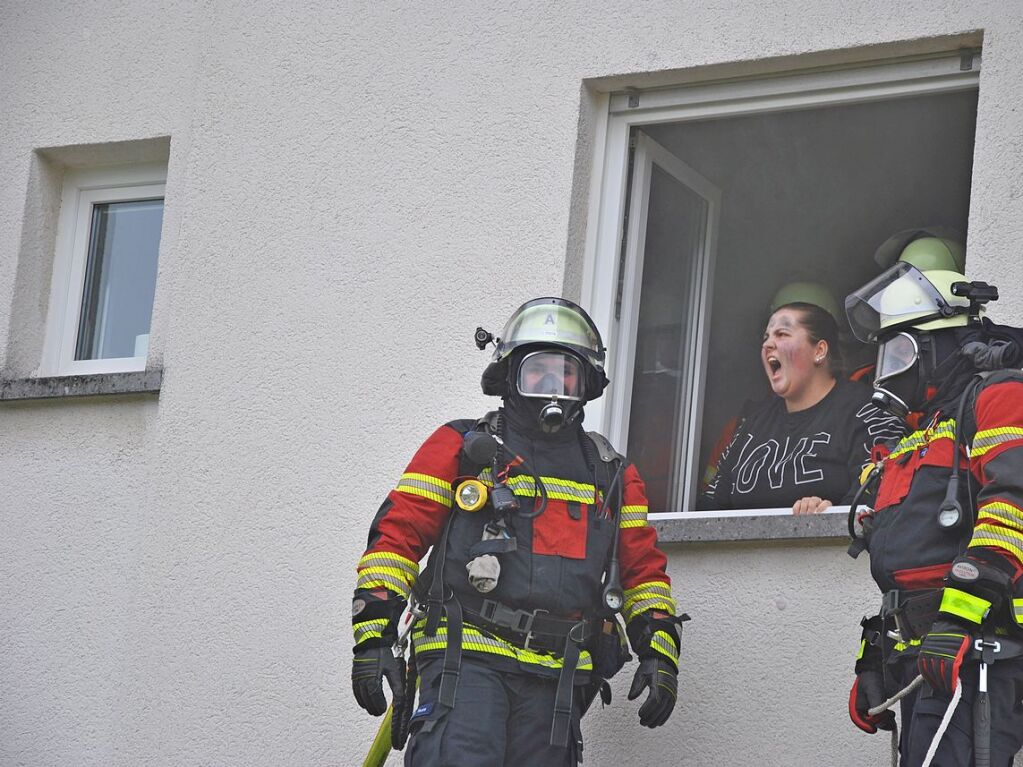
x=822, y=327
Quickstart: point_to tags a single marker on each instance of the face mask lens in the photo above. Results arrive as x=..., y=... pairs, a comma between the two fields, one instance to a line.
x=551, y=374
x=896, y=355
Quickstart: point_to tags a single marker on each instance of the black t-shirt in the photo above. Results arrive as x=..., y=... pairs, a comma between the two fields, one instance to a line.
x=777, y=457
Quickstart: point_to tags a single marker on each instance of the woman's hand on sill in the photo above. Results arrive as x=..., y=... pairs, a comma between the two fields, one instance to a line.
x=810, y=505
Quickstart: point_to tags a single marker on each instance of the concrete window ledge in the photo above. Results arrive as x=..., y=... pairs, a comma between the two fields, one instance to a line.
x=757, y=525
x=100, y=384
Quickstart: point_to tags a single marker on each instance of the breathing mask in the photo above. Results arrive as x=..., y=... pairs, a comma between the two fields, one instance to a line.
x=556, y=381
x=898, y=384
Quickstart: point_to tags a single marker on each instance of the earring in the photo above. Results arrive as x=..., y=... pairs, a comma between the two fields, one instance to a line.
x=818, y=360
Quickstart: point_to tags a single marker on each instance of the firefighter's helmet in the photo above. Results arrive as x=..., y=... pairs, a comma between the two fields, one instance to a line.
x=806, y=293
x=548, y=323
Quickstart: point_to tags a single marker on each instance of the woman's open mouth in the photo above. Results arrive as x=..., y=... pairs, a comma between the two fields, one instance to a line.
x=774, y=364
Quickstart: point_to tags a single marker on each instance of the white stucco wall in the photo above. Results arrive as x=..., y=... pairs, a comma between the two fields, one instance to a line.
x=352, y=188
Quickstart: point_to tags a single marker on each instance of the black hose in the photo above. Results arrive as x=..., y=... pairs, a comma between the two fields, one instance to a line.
x=875, y=473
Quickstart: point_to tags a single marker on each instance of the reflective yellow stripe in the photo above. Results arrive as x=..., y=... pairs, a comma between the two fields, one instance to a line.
x=369, y=629
x=633, y=516
x=903, y=646
x=921, y=437
x=387, y=559
x=369, y=580
x=964, y=605
x=655, y=595
x=985, y=440
x=1002, y=537
x=863, y=649
x=1004, y=512
x=665, y=645
x=425, y=486
x=557, y=488
x=474, y=640
x=382, y=569
x=1017, y=610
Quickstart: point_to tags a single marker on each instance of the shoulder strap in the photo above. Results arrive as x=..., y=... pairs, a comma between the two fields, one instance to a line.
x=604, y=447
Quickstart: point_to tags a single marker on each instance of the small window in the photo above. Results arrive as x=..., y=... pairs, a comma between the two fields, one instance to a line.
x=105, y=267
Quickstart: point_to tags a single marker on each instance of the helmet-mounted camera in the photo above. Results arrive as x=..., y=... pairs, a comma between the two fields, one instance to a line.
x=977, y=293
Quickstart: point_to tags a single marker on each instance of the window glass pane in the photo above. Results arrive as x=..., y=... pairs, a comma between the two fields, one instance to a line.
x=120, y=280
x=661, y=377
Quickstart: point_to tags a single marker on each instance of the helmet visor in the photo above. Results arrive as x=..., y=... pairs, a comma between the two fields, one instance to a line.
x=902, y=295
x=896, y=355
x=549, y=374
x=552, y=322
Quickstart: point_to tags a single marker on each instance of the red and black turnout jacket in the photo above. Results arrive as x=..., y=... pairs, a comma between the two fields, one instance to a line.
x=559, y=559
x=908, y=549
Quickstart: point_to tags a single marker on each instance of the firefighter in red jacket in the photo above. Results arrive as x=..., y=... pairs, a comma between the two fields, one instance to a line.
x=540, y=540
x=945, y=536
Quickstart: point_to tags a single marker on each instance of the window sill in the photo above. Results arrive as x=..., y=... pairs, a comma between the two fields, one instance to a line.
x=754, y=525
x=102, y=384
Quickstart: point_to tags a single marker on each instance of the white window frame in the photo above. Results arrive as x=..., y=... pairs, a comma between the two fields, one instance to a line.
x=608, y=191
x=83, y=189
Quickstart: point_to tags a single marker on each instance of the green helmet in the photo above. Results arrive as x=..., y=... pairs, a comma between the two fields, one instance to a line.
x=806, y=293
x=940, y=248
x=935, y=253
x=905, y=297
x=551, y=323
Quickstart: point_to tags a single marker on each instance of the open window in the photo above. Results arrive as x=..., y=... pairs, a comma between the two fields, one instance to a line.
x=714, y=196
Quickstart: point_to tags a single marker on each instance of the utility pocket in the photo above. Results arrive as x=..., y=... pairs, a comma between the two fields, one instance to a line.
x=561, y=530
x=895, y=482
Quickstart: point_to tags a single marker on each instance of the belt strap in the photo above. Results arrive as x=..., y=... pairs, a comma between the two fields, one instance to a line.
x=452, y=653
x=561, y=727
x=912, y=612
x=494, y=613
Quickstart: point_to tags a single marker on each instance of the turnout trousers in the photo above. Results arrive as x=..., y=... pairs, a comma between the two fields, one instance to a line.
x=500, y=719
x=922, y=714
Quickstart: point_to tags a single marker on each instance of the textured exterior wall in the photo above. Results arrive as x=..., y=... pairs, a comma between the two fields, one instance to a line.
x=352, y=188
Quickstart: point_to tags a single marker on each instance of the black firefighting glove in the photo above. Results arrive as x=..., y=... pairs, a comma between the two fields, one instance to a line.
x=868, y=691
x=942, y=653
x=661, y=678
x=977, y=585
x=369, y=668
x=868, y=688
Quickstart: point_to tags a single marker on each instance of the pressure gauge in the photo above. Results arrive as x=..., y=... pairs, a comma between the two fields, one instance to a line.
x=613, y=599
x=949, y=516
